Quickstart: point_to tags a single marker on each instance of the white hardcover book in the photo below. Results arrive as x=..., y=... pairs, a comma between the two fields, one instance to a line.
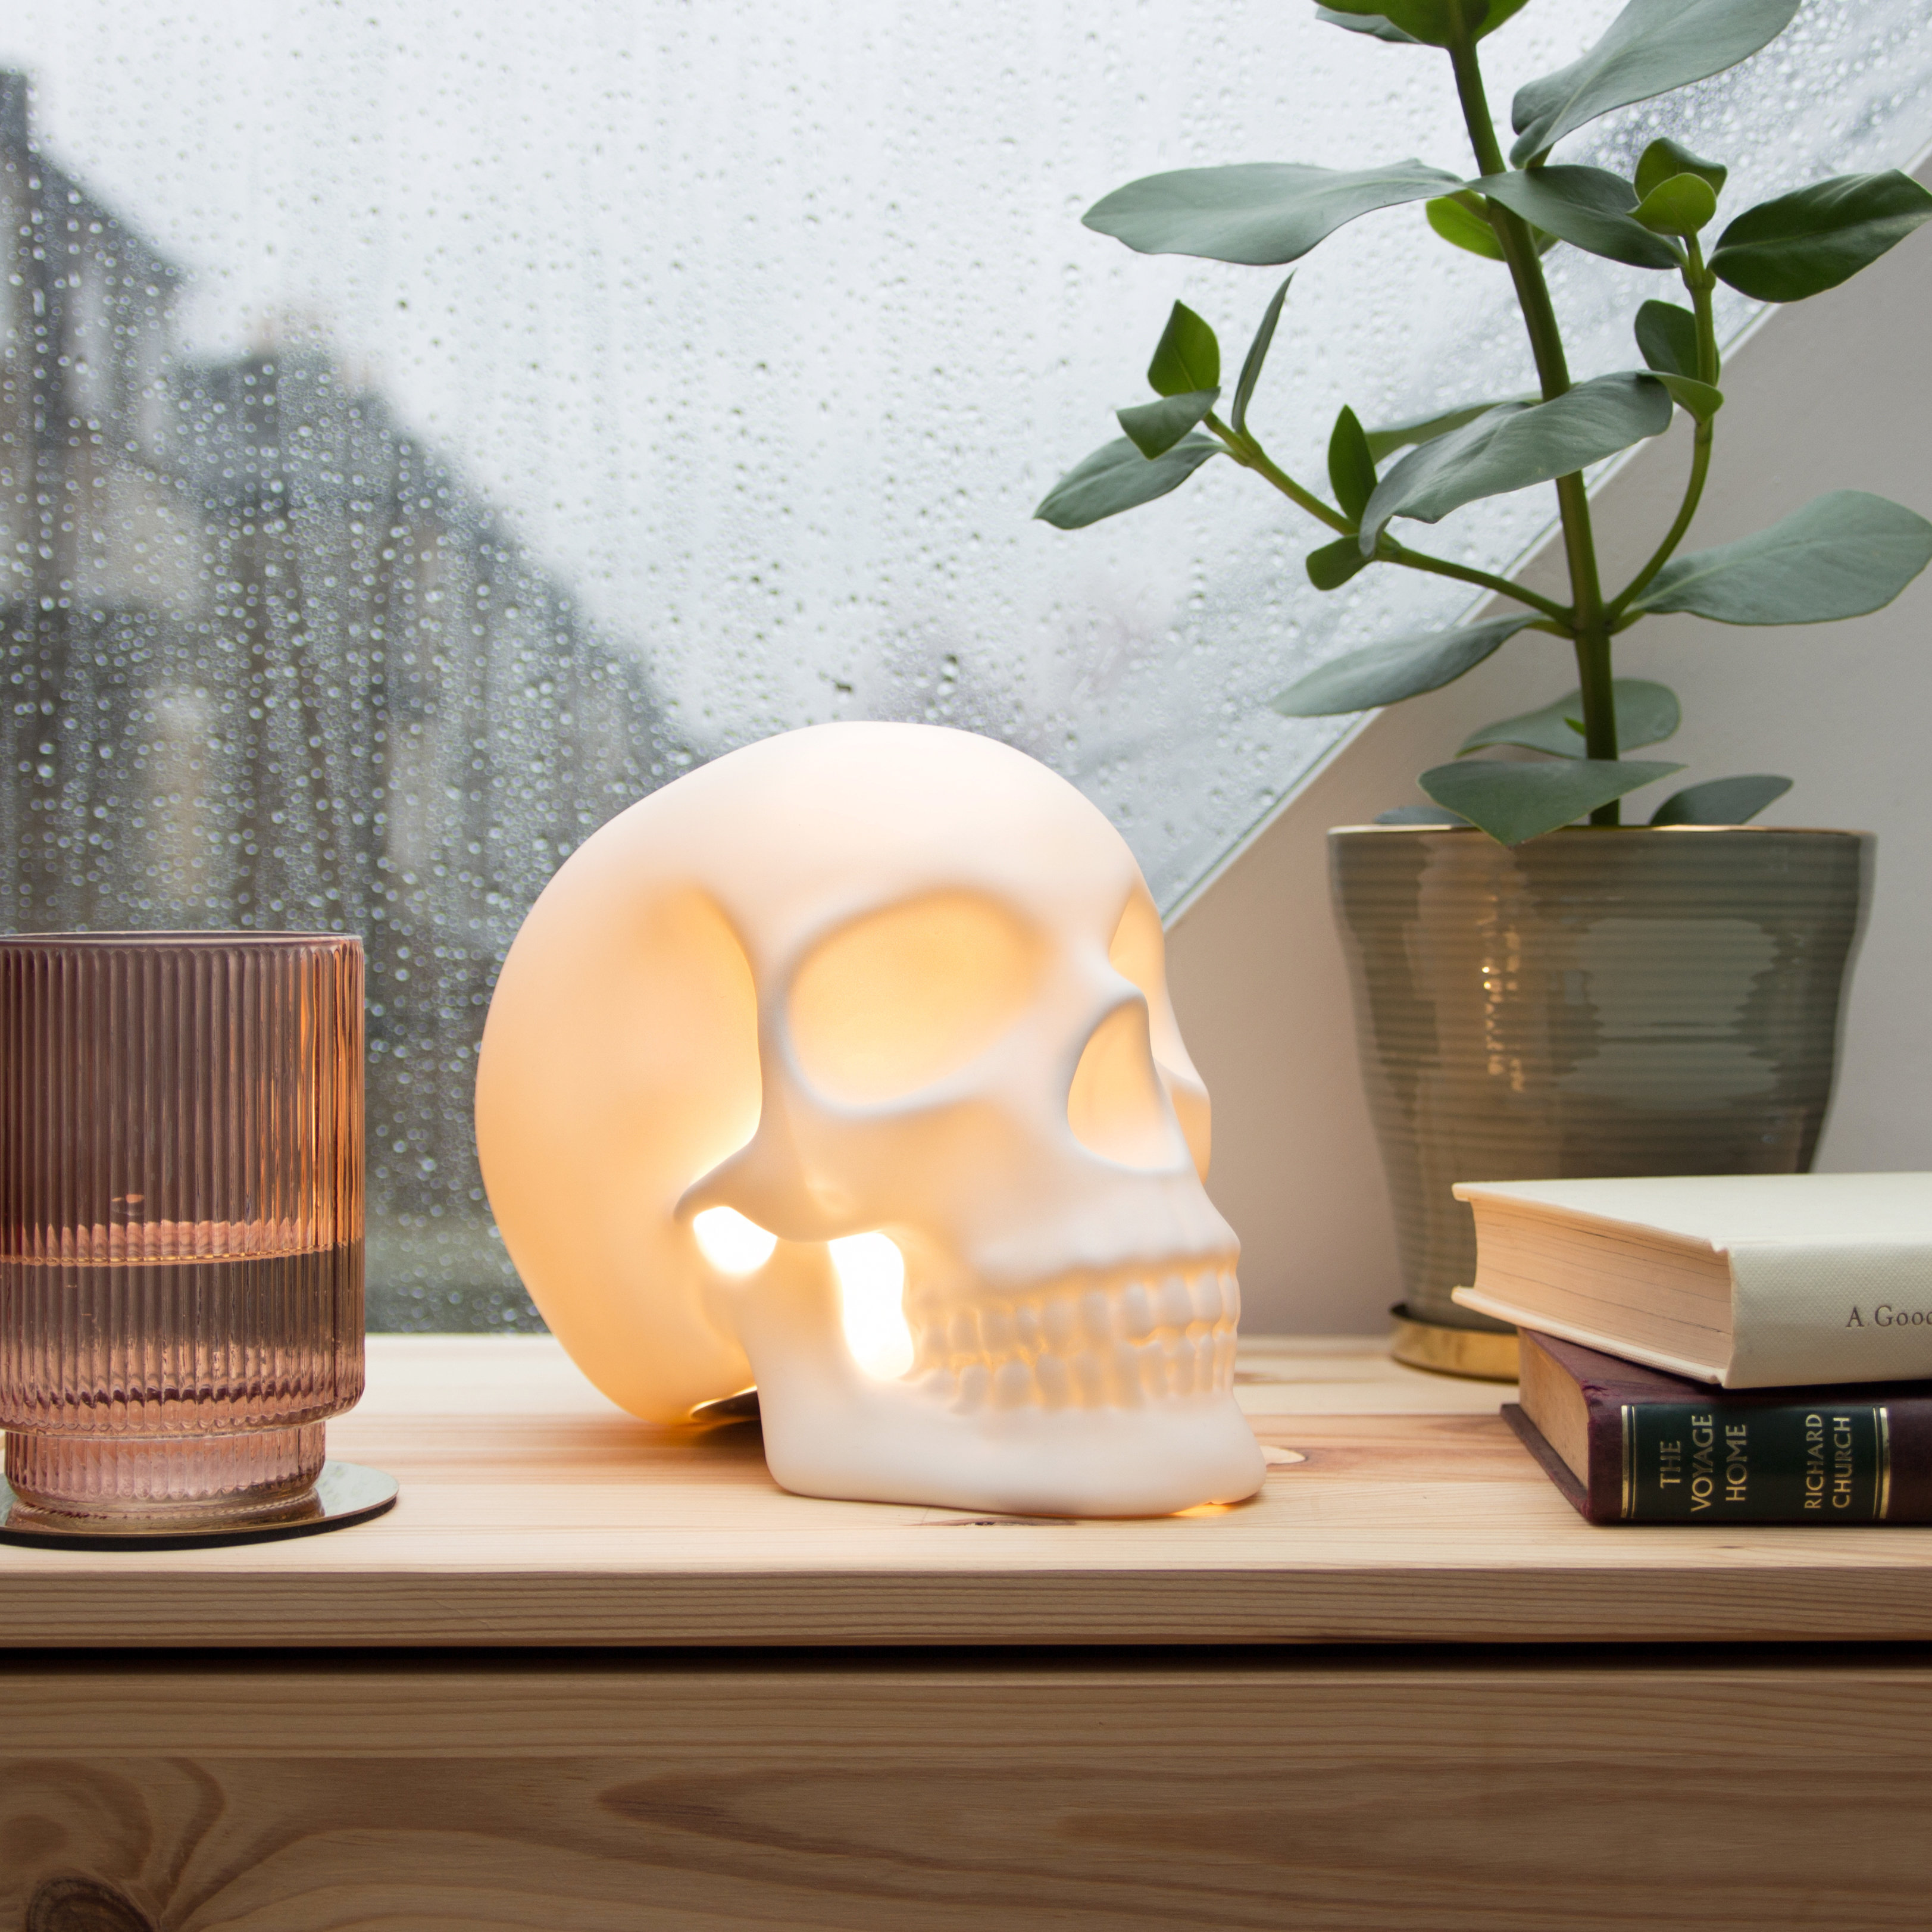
x=1747, y=1280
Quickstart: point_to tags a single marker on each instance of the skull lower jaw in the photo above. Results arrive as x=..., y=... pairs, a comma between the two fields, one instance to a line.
x=895, y=1443
x=1145, y=1440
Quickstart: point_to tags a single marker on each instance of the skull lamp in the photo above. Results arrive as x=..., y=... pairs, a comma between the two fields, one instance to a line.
x=845, y=1066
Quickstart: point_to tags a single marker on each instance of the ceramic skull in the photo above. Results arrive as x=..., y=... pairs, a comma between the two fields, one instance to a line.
x=844, y=1065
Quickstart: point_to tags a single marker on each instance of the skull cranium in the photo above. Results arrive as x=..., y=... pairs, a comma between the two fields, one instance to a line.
x=845, y=1065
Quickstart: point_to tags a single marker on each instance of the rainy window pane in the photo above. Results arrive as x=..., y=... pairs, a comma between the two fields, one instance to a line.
x=424, y=430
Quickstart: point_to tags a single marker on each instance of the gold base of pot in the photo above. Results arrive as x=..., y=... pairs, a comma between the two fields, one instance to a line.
x=1480, y=1354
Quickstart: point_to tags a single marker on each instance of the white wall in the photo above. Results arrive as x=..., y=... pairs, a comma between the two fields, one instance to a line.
x=1831, y=393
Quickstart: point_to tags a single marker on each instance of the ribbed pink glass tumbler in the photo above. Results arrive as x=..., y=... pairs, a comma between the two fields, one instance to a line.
x=180, y=1218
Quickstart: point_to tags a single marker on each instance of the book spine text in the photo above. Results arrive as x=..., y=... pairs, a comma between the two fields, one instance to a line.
x=1687, y=1462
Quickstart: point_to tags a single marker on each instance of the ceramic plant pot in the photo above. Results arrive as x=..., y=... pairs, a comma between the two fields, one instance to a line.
x=1601, y=1000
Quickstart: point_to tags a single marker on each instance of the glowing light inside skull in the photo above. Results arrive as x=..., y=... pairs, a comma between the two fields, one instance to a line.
x=730, y=1243
x=837, y=984
x=871, y=1289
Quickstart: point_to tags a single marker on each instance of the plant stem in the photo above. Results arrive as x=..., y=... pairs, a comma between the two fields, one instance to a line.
x=1700, y=466
x=1388, y=551
x=1532, y=293
x=1545, y=342
x=1246, y=450
x=1699, y=281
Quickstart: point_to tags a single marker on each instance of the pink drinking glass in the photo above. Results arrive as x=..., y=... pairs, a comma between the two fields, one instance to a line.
x=180, y=1218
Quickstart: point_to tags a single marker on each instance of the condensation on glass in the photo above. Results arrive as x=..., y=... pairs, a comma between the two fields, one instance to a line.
x=180, y=1218
x=423, y=431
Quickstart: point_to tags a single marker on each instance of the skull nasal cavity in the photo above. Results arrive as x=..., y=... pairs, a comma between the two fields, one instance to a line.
x=1116, y=1107
x=902, y=997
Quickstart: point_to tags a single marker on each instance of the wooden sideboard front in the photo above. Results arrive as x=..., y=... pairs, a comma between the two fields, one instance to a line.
x=589, y=1675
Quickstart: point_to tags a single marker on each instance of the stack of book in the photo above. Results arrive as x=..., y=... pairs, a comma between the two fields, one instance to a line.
x=1719, y=1348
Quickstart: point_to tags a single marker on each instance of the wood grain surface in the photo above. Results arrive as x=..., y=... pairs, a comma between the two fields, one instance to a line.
x=533, y=1512
x=1429, y=1791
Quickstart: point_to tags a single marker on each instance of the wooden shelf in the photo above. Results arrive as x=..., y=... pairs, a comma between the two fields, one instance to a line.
x=444, y=1758
x=533, y=1513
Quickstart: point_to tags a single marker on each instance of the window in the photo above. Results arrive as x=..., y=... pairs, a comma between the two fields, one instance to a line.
x=423, y=431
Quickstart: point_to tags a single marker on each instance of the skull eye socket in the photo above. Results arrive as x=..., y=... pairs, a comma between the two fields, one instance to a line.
x=1138, y=950
x=901, y=998
x=1116, y=1106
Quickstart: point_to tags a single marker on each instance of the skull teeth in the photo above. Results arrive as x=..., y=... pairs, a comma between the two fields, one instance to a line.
x=1135, y=1340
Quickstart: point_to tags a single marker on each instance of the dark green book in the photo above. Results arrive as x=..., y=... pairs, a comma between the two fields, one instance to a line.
x=1628, y=1444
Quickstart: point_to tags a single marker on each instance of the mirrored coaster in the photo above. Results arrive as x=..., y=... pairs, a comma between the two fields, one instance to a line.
x=344, y=1493
x=742, y=1407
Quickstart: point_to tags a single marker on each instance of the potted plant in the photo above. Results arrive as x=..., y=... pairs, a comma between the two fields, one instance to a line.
x=1541, y=990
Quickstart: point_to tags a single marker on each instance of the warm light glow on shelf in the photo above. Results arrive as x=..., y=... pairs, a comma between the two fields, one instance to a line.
x=731, y=1244
x=871, y=1287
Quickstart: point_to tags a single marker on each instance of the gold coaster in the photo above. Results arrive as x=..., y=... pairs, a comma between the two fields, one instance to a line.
x=1481, y=1354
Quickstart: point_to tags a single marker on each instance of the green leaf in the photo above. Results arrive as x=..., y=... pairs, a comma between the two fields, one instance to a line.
x=1352, y=469
x=1841, y=556
x=1512, y=802
x=1497, y=13
x=1651, y=47
x=1461, y=227
x=1154, y=428
x=1367, y=23
x=1721, y=801
x=1431, y=23
x=1515, y=445
x=1683, y=205
x=1663, y=158
x=1333, y=564
x=1667, y=338
x=1258, y=212
x=1589, y=208
x=1258, y=349
x=1118, y=477
x=1419, y=430
x=1802, y=244
x=1187, y=357
x=1698, y=399
x=1647, y=714
x=1396, y=668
